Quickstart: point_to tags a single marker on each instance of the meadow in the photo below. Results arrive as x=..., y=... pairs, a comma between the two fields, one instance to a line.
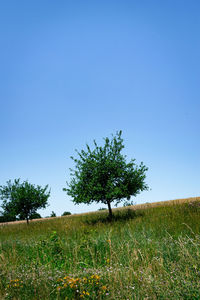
x=149, y=251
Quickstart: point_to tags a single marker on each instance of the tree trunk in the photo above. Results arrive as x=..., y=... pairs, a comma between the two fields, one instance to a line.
x=27, y=221
x=110, y=210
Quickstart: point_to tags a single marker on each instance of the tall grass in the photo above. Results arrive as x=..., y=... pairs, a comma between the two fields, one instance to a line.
x=149, y=253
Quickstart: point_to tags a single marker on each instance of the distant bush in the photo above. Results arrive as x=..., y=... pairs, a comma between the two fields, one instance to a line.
x=102, y=208
x=35, y=216
x=53, y=214
x=66, y=213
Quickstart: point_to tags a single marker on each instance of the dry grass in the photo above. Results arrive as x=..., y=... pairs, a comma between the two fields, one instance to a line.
x=134, y=207
x=150, y=251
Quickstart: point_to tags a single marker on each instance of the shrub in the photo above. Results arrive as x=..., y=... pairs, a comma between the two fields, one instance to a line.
x=53, y=214
x=66, y=213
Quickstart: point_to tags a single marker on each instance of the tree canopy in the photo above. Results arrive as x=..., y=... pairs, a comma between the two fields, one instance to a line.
x=22, y=200
x=103, y=175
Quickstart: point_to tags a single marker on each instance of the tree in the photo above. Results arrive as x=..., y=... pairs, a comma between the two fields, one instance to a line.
x=22, y=200
x=103, y=175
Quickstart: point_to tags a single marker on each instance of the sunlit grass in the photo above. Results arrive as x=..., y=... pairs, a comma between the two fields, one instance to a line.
x=151, y=252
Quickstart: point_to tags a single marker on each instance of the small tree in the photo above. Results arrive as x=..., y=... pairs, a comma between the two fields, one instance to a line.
x=102, y=175
x=22, y=200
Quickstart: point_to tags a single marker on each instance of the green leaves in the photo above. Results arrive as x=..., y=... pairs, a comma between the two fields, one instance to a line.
x=22, y=199
x=103, y=175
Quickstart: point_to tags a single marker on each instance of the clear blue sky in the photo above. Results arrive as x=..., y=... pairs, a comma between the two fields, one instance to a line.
x=72, y=71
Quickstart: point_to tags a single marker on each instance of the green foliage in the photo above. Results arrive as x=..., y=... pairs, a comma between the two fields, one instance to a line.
x=128, y=203
x=103, y=175
x=50, y=250
x=7, y=216
x=22, y=200
x=66, y=213
x=53, y=214
x=35, y=216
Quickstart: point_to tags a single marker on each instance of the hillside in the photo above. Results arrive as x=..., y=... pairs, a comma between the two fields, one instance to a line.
x=134, y=207
x=149, y=251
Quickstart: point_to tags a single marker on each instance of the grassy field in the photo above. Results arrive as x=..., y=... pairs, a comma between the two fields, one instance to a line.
x=150, y=251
